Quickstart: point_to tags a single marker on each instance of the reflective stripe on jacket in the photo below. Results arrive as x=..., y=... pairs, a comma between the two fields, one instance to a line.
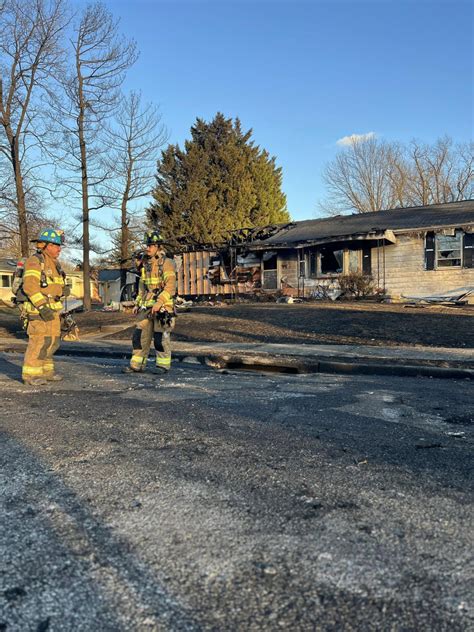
x=38, y=295
x=157, y=283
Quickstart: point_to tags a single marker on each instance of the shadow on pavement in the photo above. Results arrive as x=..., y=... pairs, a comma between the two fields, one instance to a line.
x=61, y=565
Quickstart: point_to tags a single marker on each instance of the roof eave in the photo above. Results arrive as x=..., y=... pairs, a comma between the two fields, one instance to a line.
x=468, y=227
x=385, y=235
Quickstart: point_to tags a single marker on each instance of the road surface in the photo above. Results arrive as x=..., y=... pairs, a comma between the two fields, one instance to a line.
x=234, y=501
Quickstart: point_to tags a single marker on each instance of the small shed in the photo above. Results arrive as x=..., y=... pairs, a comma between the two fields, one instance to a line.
x=110, y=289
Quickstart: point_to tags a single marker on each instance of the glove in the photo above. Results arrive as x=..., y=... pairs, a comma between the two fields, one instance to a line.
x=136, y=309
x=157, y=308
x=66, y=291
x=46, y=313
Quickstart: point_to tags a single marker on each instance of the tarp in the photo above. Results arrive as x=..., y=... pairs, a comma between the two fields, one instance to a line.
x=451, y=296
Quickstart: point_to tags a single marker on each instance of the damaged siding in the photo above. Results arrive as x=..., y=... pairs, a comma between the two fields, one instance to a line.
x=405, y=272
x=306, y=258
x=398, y=268
x=192, y=273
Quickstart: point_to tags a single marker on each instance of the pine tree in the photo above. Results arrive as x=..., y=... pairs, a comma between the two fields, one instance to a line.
x=220, y=182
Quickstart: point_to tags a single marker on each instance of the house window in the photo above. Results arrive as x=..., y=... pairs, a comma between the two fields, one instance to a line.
x=354, y=260
x=6, y=280
x=332, y=261
x=301, y=263
x=449, y=250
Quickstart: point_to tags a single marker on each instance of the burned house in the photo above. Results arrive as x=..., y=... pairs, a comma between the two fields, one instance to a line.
x=225, y=269
x=406, y=251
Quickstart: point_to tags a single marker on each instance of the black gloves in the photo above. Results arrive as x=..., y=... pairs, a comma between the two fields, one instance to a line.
x=46, y=313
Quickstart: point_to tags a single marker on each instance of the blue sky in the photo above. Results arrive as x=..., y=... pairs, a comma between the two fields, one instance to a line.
x=304, y=74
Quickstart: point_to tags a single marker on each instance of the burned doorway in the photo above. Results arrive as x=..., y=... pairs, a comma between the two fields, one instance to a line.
x=270, y=277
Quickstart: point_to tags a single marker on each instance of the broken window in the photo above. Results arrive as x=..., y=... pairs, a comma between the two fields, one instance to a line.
x=448, y=250
x=6, y=280
x=332, y=261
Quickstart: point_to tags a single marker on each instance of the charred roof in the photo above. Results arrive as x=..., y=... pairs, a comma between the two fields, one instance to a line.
x=454, y=214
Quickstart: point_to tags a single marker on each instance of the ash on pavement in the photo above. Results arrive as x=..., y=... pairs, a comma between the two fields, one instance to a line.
x=233, y=501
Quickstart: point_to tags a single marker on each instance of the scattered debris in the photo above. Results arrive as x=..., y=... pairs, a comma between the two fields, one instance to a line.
x=182, y=305
x=111, y=307
x=459, y=296
x=288, y=299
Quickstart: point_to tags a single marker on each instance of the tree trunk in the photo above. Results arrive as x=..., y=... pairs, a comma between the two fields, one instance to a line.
x=85, y=231
x=124, y=247
x=20, y=191
x=85, y=211
x=125, y=234
x=20, y=194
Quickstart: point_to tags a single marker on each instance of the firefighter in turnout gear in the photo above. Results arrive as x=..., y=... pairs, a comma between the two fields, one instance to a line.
x=43, y=288
x=155, y=301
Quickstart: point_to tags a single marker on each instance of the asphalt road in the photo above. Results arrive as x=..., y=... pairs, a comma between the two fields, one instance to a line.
x=234, y=501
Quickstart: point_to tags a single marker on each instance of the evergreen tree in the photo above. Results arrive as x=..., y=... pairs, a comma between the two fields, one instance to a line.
x=220, y=182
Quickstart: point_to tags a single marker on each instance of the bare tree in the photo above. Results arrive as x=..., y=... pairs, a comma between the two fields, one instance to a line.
x=441, y=172
x=135, y=140
x=30, y=54
x=101, y=58
x=370, y=175
x=359, y=178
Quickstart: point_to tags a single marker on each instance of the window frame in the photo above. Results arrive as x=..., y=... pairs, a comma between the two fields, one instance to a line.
x=437, y=238
x=9, y=279
x=313, y=262
x=335, y=272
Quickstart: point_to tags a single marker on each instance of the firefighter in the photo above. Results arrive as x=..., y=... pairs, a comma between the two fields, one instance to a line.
x=43, y=287
x=155, y=300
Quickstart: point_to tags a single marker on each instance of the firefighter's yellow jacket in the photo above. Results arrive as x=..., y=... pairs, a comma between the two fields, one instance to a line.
x=37, y=269
x=157, y=283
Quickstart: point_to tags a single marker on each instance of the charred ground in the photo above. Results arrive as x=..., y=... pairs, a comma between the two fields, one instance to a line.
x=309, y=323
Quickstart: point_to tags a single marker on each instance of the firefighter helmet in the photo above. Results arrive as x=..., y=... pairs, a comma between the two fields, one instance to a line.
x=153, y=238
x=51, y=236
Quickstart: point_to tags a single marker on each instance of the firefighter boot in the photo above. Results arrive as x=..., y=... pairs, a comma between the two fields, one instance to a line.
x=158, y=370
x=54, y=377
x=128, y=369
x=35, y=381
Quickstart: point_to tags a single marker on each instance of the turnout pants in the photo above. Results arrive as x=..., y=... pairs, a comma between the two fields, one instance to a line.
x=43, y=342
x=147, y=330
